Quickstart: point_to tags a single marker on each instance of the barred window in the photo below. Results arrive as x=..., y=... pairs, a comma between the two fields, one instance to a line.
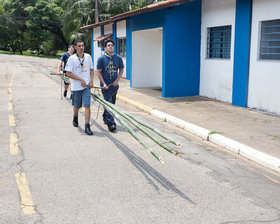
x=218, y=42
x=121, y=47
x=270, y=40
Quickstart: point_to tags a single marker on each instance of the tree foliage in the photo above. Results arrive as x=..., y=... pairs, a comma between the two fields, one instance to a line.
x=45, y=26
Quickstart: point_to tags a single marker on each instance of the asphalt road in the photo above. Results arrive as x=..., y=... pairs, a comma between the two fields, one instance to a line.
x=52, y=173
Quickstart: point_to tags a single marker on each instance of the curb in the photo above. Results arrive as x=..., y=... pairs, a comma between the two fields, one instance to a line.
x=227, y=143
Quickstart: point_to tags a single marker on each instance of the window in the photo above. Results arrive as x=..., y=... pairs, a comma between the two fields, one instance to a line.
x=100, y=43
x=270, y=40
x=218, y=42
x=121, y=46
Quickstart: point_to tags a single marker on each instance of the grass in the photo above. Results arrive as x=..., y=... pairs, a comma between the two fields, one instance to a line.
x=28, y=53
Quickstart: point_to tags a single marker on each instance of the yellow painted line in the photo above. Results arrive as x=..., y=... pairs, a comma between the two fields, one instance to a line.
x=82, y=109
x=9, y=90
x=12, y=120
x=135, y=104
x=10, y=106
x=13, y=144
x=27, y=204
x=10, y=96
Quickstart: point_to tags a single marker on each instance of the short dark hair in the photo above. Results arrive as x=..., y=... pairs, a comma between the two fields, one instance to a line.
x=78, y=41
x=108, y=41
x=69, y=46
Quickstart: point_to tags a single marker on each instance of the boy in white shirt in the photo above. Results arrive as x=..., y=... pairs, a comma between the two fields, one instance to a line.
x=79, y=69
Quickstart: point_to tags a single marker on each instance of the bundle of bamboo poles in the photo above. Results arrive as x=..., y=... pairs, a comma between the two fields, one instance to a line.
x=117, y=113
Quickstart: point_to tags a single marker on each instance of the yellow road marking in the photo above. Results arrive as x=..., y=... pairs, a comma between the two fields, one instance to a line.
x=10, y=96
x=13, y=144
x=10, y=106
x=9, y=90
x=12, y=120
x=27, y=204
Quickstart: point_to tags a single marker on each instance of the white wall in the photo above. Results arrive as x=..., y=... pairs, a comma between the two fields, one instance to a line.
x=147, y=58
x=216, y=75
x=108, y=28
x=121, y=28
x=264, y=76
x=97, y=50
x=121, y=32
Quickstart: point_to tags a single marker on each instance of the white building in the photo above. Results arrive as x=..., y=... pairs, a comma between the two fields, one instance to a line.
x=226, y=50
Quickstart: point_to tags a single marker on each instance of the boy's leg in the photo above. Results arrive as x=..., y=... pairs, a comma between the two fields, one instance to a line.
x=77, y=104
x=86, y=103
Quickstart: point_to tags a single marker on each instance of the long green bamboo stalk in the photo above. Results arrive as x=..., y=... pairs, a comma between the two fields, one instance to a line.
x=112, y=106
x=154, y=129
x=129, y=129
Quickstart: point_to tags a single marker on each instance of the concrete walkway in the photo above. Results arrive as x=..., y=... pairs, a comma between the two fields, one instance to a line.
x=250, y=133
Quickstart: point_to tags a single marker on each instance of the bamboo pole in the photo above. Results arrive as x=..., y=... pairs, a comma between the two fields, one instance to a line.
x=112, y=106
x=129, y=129
x=155, y=130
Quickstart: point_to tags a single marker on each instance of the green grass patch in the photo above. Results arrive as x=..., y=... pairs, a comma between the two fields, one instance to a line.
x=28, y=53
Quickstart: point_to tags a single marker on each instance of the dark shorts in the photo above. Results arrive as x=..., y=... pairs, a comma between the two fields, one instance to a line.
x=81, y=97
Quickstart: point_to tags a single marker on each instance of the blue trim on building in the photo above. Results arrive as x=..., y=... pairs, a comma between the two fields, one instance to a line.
x=147, y=21
x=182, y=38
x=92, y=46
x=115, y=35
x=180, y=46
x=128, y=52
x=241, y=66
x=102, y=33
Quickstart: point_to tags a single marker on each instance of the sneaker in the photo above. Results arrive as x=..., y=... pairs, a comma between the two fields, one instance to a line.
x=75, y=121
x=87, y=130
x=112, y=127
x=65, y=93
x=104, y=120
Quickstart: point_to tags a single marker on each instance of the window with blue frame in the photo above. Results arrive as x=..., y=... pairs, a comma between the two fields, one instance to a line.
x=270, y=40
x=218, y=42
x=121, y=46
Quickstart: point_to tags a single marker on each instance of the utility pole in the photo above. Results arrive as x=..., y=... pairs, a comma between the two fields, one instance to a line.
x=96, y=11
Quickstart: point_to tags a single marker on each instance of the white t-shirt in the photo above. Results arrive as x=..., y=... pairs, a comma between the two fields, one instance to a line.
x=81, y=68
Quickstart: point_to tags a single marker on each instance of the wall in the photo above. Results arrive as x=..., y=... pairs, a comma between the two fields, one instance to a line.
x=264, y=76
x=216, y=75
x=147, y=55
x=97, y=50
x=147, y=21
x=108, y=28
x=121, y=32
x=181, y=46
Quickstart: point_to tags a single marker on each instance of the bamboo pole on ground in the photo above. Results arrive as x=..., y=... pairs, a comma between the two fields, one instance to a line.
x=129, y=129
x=155, y=130
x=112, y=106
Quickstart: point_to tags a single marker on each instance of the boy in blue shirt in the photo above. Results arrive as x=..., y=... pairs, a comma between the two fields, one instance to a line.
x=63, y=61
x=109, y=71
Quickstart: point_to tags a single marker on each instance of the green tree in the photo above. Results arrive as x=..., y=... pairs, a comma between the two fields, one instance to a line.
x=46, y=15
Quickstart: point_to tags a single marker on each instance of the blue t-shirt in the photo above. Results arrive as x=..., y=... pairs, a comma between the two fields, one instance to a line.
x=110, y=67
x=64, y=58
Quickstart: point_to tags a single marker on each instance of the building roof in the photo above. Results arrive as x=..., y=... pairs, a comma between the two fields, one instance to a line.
x=149, y=8
x=103, y=37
